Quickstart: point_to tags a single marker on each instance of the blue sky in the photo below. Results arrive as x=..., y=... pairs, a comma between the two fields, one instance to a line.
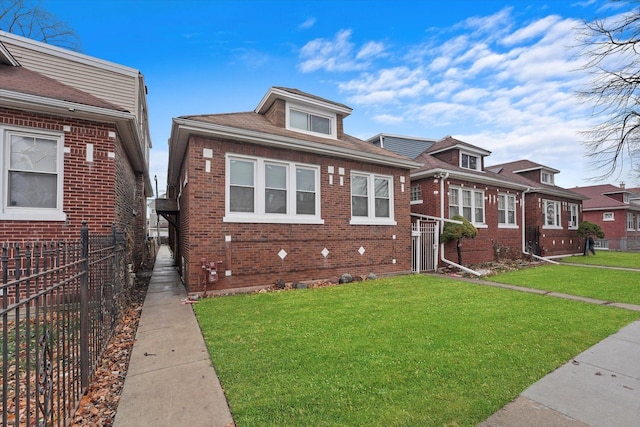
x=497, y=74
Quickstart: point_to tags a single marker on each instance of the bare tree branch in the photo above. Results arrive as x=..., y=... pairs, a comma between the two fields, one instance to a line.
x=611, y=47
x=26, y=18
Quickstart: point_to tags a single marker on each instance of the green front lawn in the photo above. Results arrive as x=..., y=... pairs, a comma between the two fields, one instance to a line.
x=600, y=283
x=405, y=351
x=607, y=258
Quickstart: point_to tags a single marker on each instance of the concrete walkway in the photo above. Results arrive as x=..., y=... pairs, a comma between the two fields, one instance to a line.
x=170, y=381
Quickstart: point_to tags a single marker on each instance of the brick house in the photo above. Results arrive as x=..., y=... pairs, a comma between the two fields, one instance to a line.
x=504, y=202
x=282, y=193
x=75, y=144
x=617, y=211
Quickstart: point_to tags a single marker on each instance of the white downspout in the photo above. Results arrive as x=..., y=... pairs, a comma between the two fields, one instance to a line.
x=524, y=246
x=442, y=258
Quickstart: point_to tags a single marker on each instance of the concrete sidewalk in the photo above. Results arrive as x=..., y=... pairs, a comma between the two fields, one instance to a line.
x=170, y=381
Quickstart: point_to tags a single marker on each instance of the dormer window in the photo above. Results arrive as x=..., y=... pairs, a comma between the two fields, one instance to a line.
x=625, y=198
x=309, y=121
x=469, y=161
x=546, y=177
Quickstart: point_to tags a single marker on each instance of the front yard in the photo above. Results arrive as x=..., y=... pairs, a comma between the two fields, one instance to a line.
x=412, y=350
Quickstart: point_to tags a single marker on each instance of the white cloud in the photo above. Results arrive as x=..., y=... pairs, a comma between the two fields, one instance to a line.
x=308, y=23
x=387, y=86
x=388, y=119
x=535, y=29
x=338, y=54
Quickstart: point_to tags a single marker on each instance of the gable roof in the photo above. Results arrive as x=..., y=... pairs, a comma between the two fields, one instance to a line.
x=519, y=166
x=255, y=128
x=296, y=95
x=449, y=143
x=23, y=80
x=598, y=199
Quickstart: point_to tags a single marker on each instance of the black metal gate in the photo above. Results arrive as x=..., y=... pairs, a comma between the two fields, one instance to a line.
x=533, y=240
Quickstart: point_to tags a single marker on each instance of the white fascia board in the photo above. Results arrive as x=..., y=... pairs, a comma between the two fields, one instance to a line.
x=7, y=57
x=182, y=128
x=463, y=148
x=275, y=93
x=67, y=54
x=468, y=177
x=544, y=168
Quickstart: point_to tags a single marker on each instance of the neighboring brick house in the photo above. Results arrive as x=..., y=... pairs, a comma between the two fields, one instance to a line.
x=617, y=211
x=75, y=145
x=454, y=179
x=282, y=193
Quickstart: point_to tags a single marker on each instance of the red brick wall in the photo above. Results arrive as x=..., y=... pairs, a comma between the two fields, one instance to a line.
x=553, y=241
x=489, y=239
x=615, y=231
x=99, y=192
x=252, y=254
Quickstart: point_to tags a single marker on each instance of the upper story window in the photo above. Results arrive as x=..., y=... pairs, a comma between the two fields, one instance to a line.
x=506, y=210
x=551, y=214
x=573, y=215
x=546, y=177
x=416, y=194
x=608, y=216
x=32, y=175
x=625, y=198
x=469, y=161
x=310, y=121
x=263, y=190
x=468, y=203
x=371, y=199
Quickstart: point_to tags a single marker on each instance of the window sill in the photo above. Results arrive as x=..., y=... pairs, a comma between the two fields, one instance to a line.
x=372, y=221
x=552, y=227
x=33, y=215
x=416, y=202
x=510, y=226
x=247, y=219
x=479, y=225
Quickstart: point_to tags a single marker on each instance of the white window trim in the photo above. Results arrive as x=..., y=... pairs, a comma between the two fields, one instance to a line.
x=259, y=188
x=630, y=221
x=608, y=216
x=478, y=160
x=417, y=201
x=30, y=214
x=550, y=181
x=571, y=207
x=313, y=111
x=460, y=205
x=515, y=211
x=371, y=200
x=557, y=212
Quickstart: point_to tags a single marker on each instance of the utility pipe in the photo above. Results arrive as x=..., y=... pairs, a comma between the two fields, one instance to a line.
x=442, y=258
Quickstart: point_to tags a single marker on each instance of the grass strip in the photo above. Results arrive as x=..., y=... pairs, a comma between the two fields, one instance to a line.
x=404, y=351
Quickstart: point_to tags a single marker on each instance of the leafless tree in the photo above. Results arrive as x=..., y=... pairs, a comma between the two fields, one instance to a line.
x=611, y=47
x=28, y=19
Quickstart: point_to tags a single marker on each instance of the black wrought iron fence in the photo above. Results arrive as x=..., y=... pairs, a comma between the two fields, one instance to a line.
x=60, y=303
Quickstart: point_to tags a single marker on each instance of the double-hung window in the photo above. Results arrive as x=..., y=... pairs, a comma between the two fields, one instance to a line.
x=573, y=216
x=371, y=199
x=32, y=175
x=264, y=190
x=630, y=221
x=551, y=214
x=468, y=203
x=506, y=210
x=416, y=194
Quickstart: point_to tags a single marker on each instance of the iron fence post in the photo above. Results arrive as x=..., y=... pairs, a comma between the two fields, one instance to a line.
x=84, y=307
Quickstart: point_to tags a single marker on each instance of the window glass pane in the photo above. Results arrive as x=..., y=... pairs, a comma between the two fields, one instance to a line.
x=473, y=162
x=382, y=208
x=305, y=179
x=298, y=120
x=275, y=176
x=479, y=206
x=359, y=206
x=382, y=187
x=33, y=154
x=320, y=125
x=275, y=201
x=32, y=190
x=241, y=172
x=241, y=199
x=359, y=185
x=512, y=217
x=305, y=203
